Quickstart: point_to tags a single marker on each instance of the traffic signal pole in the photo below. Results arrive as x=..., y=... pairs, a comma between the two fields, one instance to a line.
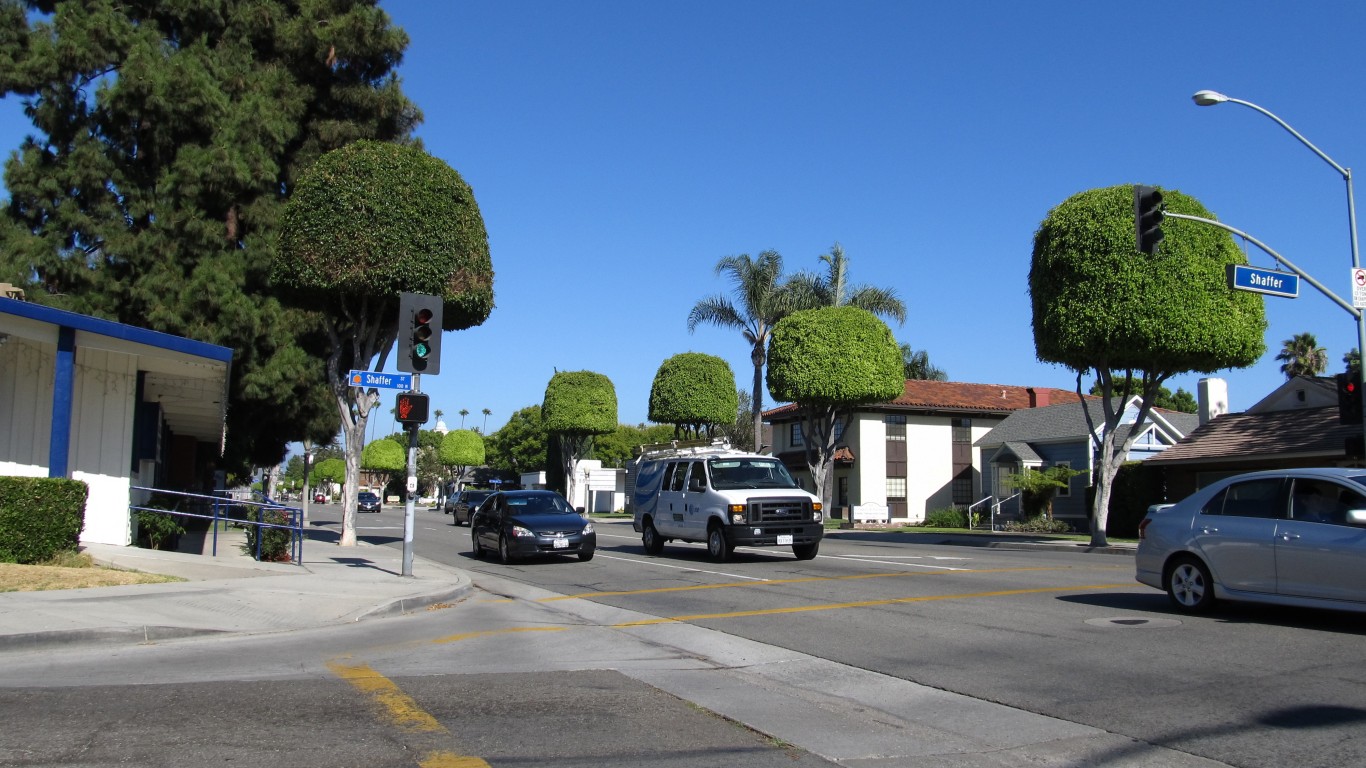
x=409, y=510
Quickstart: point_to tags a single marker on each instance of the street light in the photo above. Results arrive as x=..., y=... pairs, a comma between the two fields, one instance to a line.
x=1208, y=98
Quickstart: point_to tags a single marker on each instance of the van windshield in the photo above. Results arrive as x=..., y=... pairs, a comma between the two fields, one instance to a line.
x=730, y=474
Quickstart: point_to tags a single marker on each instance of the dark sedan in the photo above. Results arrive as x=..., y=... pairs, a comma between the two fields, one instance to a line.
x=367, y=501
x=463, y=504
x=518, y=524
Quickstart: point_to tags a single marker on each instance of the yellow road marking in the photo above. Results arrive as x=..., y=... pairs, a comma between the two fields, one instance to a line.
x=780, y=582
x=403, y=712
x=858, y=604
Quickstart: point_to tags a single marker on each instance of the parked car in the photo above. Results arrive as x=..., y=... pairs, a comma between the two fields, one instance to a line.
x=367, y=501
x=463, y=504
x=518, y=524
x=319, y=498
x=1290, y=537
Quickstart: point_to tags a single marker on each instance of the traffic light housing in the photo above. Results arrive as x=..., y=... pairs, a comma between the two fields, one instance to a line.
x=1349, y=398
x=411, y=408
x=419, y=333
x=1147, y=218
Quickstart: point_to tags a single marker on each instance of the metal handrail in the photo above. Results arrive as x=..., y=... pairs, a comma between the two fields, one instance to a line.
x=996, y=508
x=973, y=506
x=220, y=507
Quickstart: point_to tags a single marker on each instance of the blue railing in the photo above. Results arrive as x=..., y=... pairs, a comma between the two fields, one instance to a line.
x=224, y=508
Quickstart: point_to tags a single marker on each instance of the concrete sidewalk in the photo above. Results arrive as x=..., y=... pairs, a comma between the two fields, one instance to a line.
x=227, y=593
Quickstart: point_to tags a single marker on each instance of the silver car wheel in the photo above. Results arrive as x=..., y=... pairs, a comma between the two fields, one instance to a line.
x=1189, y=585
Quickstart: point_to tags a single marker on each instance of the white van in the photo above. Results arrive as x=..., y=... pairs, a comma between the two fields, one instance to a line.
x=723, y=497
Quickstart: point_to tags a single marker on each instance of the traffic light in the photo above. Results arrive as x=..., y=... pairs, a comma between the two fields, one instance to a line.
x=411, y=407
x=1349, y=398
x=419, y=333
x=1147, y=218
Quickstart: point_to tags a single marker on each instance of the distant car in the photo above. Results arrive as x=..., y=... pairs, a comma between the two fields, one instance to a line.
x=518, y=524
x=319, y=498
x=367, y=501
x=1290, y=537
x=463, y=504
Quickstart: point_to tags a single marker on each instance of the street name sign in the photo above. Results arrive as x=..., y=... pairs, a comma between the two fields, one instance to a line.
x=368, y=379
x=1268, y=281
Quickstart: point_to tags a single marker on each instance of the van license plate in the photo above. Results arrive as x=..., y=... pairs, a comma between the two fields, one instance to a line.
x=561, y=543
x=784, y=538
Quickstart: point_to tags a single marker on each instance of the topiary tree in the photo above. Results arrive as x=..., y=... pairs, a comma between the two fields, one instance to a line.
x=328, y=471
x=385, y=455
x=364, y=223
x=693, y=392
x=462, y=448
x=1136, y=320
x=520, y=446
x=577, y=406
x=827, y=361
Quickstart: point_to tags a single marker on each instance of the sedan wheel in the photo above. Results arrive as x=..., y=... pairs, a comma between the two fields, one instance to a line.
x=504, y=554
x=478, y=548
x=1190, y=586
x=718, y=549
x=586, y=556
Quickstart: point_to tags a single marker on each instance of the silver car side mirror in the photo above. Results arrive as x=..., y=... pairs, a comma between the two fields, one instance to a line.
x=1355, y=516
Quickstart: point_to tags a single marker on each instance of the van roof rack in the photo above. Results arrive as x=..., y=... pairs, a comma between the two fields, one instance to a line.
x=684, y=448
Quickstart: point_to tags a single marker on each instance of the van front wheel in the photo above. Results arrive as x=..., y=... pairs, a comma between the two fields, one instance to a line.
x=718, y=549
x=654, y=543
x=806, y=551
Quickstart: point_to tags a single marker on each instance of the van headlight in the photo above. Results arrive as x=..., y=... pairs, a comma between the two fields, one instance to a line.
x=816, y=511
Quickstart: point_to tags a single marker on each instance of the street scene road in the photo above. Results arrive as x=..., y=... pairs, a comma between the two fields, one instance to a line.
x=1058, y=657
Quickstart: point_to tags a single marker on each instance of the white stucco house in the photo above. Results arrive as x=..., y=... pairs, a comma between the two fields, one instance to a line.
x=109, y=404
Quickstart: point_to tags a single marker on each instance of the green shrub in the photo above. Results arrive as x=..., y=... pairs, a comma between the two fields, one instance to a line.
x=40, y=517
x=946, y=518
x=275, y=542
x=1039, y=524
x=159, y=530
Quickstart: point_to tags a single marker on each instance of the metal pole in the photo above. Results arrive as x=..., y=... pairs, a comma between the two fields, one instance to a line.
x=1351, y=222
x=410, y=490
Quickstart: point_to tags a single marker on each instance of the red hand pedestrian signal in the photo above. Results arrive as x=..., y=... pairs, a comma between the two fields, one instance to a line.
x=411, y=407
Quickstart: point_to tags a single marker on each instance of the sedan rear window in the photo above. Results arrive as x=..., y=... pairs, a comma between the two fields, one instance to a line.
x=1254, y=498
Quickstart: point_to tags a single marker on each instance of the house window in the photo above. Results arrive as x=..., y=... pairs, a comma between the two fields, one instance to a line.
x=896, y=489
x=896, y=427
x=962, y=430
x=799, y=441
x=1066, y=490
x=962, y=487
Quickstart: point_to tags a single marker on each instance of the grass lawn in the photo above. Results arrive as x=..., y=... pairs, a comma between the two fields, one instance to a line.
x=70, y=571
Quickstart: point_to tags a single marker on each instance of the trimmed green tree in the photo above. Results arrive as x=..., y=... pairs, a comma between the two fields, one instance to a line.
x=762, y=301
x=366, y=222
x=693, y=392
x=167, y=138
x=577, y=406
x=1136, y=320
x=462, y=449
x=385, y=455
x=520, y=446
x=829, y=361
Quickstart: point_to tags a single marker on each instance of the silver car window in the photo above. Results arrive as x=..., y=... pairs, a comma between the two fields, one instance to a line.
x=1253, y=498
x=1322, y=501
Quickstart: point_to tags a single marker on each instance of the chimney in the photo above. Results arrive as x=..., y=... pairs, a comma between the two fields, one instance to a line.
x=1213, y=399
x=1037, y=398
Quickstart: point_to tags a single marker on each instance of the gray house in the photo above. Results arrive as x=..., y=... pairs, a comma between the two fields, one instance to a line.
x=1060, y=435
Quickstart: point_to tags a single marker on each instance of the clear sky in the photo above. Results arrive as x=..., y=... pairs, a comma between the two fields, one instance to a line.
x=619, y=148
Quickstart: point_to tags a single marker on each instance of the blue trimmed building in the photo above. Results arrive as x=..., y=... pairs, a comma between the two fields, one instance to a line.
x=109, y=404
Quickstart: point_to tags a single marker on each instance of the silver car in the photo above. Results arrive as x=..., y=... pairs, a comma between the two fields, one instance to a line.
x=1291, y=537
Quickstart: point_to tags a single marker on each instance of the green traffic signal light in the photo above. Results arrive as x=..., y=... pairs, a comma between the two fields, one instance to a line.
x=419, y=333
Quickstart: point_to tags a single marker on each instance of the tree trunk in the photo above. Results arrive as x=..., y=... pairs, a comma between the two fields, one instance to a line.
x=757, y=357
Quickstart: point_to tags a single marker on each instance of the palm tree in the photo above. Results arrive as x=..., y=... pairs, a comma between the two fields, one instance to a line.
x=486, y=421
x=1353, y=362
x=833, y=289
x=1302, y=356
x=918, y=366
x=463, y=413
x=762, y=300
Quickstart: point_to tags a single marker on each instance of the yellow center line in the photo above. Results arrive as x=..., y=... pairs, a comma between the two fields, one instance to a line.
x=857, y=604
x=403, y=712
x=780, y=582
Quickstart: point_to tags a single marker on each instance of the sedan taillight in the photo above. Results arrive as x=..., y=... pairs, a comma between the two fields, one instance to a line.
x=1143, y=527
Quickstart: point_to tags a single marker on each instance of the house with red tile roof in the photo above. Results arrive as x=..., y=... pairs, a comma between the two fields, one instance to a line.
x=916, y=453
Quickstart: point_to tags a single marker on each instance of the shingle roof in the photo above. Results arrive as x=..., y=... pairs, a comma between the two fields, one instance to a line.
x=1301, y=432
x=1067, y=421
x=959, y=396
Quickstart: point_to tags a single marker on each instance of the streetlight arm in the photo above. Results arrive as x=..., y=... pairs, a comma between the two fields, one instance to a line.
x=1346, y=172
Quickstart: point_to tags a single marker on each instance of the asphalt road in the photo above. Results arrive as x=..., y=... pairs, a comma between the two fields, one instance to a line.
x=509, y=676
x=1072, y=636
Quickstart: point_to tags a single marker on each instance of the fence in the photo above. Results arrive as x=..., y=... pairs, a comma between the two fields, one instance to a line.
x=225, y=508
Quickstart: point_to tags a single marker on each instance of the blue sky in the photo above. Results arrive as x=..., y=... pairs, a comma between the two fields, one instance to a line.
x=618, y=149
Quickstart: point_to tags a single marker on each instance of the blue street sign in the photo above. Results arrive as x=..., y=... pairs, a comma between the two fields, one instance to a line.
x=1268, y=281
x=368, y=379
